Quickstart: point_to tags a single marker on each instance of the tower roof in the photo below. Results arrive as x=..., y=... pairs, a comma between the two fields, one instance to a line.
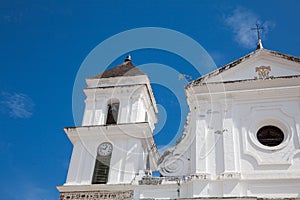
x=127, y=68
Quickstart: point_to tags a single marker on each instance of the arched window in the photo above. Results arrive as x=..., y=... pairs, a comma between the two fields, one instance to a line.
x=112, y=111
x=102, y=164
x=270, y=136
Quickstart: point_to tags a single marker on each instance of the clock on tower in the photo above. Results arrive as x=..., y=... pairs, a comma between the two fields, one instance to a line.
x=115, y=139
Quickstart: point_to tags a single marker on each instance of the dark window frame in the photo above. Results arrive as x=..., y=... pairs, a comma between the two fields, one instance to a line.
x=270, y=136
x=112, y=113
x=101, y=169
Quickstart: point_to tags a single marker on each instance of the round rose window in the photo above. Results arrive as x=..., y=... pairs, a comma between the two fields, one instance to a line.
x=270, y=136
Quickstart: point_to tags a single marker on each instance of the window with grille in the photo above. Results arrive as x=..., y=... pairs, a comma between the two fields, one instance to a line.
x=101, y=170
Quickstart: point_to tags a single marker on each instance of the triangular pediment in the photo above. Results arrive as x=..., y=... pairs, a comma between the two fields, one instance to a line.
x=260, y=64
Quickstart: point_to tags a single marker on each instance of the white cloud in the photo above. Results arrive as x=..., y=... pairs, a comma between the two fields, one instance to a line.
x=17, y=105
x=241, y=21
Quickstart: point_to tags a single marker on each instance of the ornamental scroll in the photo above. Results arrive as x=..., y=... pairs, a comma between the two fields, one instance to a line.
x=173, y=165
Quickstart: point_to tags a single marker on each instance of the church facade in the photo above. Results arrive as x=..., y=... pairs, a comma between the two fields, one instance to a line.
x=241, y=138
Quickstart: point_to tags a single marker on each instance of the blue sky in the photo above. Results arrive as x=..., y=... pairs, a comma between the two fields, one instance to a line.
x=43, y=44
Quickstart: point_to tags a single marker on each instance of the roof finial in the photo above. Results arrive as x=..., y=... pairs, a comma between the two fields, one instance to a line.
x=259, y=43
x=128, y=58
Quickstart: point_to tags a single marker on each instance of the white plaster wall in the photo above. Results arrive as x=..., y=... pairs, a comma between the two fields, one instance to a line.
x=125, y=161
x=232, y=162
x=134, y=104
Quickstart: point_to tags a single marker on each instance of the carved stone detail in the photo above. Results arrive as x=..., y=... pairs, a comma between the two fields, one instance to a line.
x=263, y=72
x=198, y=177
x=229, y=175
x=147, y=180
x=91, y=195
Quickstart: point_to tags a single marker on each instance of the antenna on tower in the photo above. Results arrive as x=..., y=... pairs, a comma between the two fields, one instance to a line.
x=258, y=29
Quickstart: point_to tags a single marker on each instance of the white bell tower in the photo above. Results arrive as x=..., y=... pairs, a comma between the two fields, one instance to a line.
x=115, y=141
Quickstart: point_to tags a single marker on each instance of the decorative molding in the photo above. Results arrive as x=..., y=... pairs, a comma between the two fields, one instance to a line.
x=91, y=195
x=202, y=176
x=263, y=115
x=176, y=179
x=148, y=180
x=229, y=175
x=173, y=165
